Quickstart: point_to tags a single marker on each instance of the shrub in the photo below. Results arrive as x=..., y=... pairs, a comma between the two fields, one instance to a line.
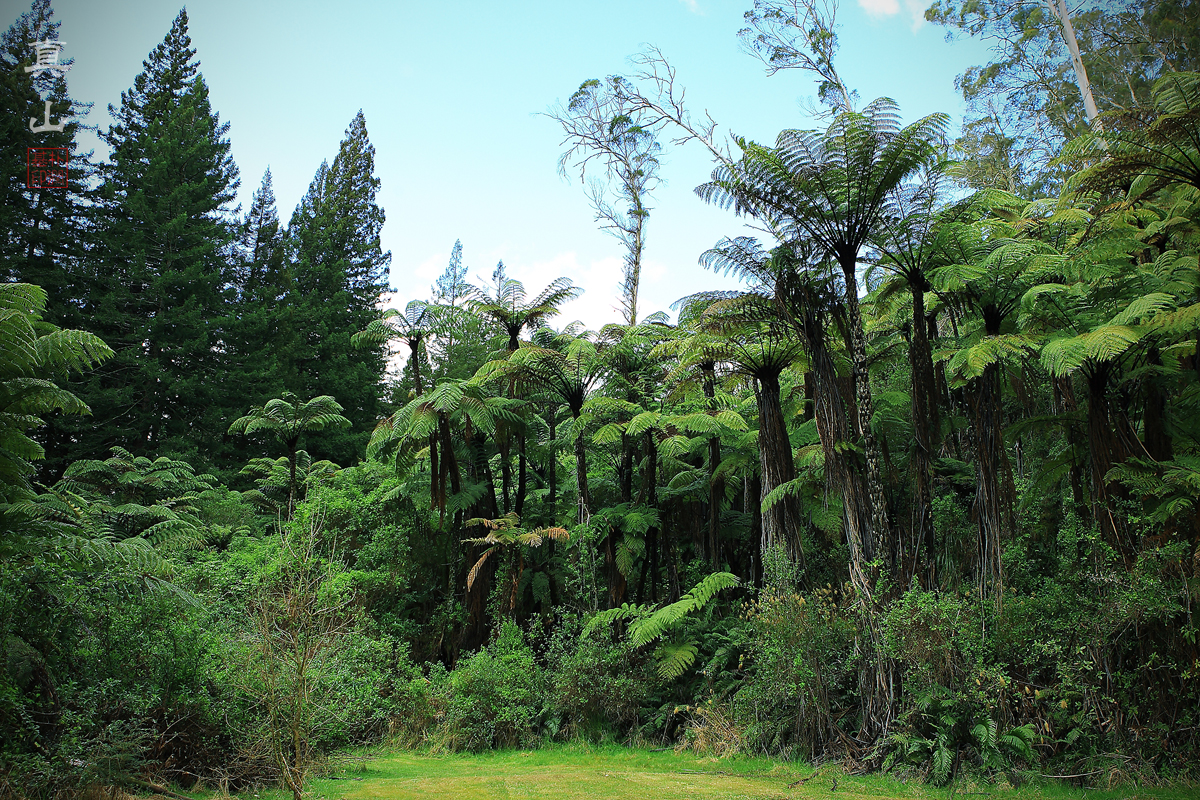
x=494, y=698
x=598, y=683
x=800, y=671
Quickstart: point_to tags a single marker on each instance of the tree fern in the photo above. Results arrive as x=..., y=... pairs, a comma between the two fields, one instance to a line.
x=646, y=630
x=675, y=657
x=647, y=625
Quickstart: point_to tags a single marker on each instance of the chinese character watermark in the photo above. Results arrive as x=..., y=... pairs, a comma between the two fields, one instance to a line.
x=47, y=168
x=46, y=125
x=47, y=57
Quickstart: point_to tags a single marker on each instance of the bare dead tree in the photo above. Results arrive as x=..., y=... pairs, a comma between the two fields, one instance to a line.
x=603, y=127
x=799, y=34
x=296, y=621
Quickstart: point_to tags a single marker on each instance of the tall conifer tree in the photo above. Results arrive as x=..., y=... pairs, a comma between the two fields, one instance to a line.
x=162, y=275
x=262, y=335
x=341, y=272
x=42, y=231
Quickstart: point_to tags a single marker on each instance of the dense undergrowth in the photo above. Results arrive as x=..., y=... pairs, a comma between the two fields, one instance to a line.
x=167, y=682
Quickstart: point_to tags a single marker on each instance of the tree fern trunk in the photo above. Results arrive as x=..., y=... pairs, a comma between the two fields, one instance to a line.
x=781, y=522
x=879, y=531
x=715, y=490
x=1104, y=453
x=522, y=478
x=994, y=488
x=925, y=432
x=553, y=468
x=581, y=476
x=625, y=469
x=502, y=442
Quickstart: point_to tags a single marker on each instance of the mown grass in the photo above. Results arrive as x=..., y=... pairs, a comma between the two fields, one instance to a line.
x=600, y=773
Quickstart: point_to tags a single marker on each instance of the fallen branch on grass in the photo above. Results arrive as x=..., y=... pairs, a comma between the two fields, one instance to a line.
x=803, y=781
x=1080, y=775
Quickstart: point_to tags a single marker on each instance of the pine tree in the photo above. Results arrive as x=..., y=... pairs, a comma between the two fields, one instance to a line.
x=452, y=287
x=340, y=272
x=42, y=231
x=261, y=335
x=461, y=345
x=161, y=278
x=41, y=235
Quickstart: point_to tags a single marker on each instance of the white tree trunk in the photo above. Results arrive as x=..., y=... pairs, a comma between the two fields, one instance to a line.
x=1059, y=9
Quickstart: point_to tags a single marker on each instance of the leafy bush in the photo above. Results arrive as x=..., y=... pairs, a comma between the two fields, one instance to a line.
x=494, y=698
x=598, y=683
x=800, y=659
x=943, y=727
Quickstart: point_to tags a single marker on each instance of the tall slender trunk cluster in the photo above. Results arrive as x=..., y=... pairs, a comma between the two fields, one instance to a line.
x=993, y=503
x=835, y=429
x=581, y=477
x=1111, y=441
x=926, y=428
x=716, y=490
x=994, y=485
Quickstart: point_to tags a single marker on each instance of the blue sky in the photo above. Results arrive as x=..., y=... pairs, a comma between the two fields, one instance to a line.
x=454, y=95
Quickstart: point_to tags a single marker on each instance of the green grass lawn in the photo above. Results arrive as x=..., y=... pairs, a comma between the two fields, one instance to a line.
x=601, y=773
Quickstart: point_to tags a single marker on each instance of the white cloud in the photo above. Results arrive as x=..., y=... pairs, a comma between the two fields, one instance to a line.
x=888, y=8
x=880, y=8
x=692, y=6
x=599, y=278
x=916, y=9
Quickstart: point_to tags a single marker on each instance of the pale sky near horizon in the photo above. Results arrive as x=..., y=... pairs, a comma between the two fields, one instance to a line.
x=454, y=95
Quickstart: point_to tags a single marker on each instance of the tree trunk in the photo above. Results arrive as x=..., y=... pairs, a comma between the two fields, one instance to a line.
x=1064, y=403
x=836, y=430
x=522, y=478
x=449, y=464
x=415, y=363
x=625, y=470
x=1104, y=453
x=716, y=490
x=650, y=479
x=553, y=468
x=751, y=494
x=994, y=489
x=1058, y=8
x=781, y=522
x=1154, y=431
x=436, y=498
x=879, y=531
x=291, y=445
x=840, y=416
x=925, y=431
x=502, y=444
x=581, y=478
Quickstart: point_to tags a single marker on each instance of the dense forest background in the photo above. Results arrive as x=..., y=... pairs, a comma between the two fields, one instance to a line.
x=923, y=495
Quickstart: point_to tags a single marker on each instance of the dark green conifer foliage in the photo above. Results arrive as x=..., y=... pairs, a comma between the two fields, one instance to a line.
x=262, y=335
x=340, y=272
x=41, y=230
x=41, y=237
x=161, y=291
